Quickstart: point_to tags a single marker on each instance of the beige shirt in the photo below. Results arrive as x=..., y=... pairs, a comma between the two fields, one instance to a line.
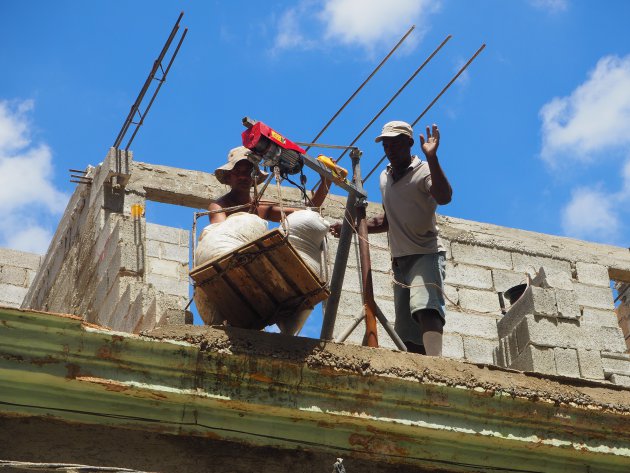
x=410, y=210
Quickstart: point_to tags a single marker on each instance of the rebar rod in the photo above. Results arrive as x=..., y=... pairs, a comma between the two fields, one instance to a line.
x=334, y=117
x=157, y=89
x=147, y=83
x=462, y=69
x=413, y=76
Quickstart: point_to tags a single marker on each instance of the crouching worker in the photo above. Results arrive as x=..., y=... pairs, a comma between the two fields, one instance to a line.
x=238, y=174
x=248, y=221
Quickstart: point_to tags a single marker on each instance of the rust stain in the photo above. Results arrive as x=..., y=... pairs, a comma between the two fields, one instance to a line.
x=44, y=361
x=376, y=444
x=261, y=377
x=104, y=352
x=73, y=371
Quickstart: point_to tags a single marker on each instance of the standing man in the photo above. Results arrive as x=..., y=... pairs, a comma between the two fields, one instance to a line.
x=411, y=190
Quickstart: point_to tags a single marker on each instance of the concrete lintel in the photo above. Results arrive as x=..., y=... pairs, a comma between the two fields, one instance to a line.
x=296, y=393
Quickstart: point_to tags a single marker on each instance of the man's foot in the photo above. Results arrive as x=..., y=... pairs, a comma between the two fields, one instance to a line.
x=413, y=348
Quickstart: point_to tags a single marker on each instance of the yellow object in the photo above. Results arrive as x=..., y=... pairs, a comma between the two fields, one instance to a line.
x=338, y=171
x=137, y=210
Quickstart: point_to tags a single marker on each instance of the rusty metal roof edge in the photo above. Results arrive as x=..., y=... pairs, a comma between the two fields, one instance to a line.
x=54, y=366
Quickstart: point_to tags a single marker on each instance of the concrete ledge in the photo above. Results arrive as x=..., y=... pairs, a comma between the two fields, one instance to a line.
x=268, y=390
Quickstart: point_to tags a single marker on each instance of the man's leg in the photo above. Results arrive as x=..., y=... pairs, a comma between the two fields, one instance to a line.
x=406, y=327
x=432, y=329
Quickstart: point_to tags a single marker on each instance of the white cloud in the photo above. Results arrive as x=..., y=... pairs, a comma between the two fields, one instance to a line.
x=370, y=24
x=26, y=187
x=290, y=34
x=33, y=238
x=593, y=120
x=591, y=215
x=551, y=6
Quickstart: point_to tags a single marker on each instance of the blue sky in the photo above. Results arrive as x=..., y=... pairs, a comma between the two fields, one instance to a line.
x=535, y=135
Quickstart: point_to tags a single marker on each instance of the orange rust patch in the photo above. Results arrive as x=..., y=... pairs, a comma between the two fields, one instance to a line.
x=44, y=361
x=261, y=377
x=377, y=444
x=73, y=370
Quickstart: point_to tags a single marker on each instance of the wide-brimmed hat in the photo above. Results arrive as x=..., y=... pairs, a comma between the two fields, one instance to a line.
x=395, y=128
x=234, y=156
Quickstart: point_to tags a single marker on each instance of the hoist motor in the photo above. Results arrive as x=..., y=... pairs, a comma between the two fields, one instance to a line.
x=269, y=148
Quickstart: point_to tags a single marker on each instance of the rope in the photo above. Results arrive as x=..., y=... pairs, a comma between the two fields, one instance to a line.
x=283, y=217
x=406, y=286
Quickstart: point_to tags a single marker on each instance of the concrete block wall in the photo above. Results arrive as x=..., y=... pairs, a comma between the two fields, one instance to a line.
x=17, y=271
x=97, y=265
x=132, y=275
x=569, y=327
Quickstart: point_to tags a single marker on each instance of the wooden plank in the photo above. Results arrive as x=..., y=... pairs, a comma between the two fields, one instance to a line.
x=250, y=291
x=228, y=302
x=292, y=267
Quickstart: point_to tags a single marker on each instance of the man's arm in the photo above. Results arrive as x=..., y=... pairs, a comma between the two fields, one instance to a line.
x=217, y=216
x=376, y=224
x=440, y=189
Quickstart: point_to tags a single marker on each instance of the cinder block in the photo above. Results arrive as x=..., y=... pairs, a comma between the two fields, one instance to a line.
x=552, y=280
x=481, y=301
x=498, y=355
x=453, y=346
x=479, y=350
x=168, y=285
x=472, y=325
x=12, y=295
x=534, y=301
x=513, y=348
x=19, y=259
x=531, y=264
x=594, y=296
x=598, y=318
x=567, y=304
x=447, y=248
x=170, y=269
x=618, y=363
x=468, y=276
x=481, y=256
x=175, y=236
x=593, y=274
x=342, y=323
x=590, y=364
x=610, y=339
x=382, y=284
x=13, y=275
x=620, y=380
x=503, y=279
x=567, y=362
x=30, y=277
x=549, y=332
x=174, y=253
x=538, y=360
x=152, y=248
x=451, y=296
